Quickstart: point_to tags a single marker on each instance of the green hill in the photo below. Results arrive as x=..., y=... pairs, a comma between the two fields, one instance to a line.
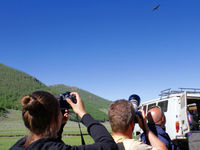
x=14, y=84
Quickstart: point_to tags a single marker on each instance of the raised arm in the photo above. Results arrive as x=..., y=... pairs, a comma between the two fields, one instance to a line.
x=103, y=140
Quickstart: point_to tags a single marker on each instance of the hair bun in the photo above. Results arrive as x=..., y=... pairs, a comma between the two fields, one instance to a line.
x=25, y=100
x=32, y=105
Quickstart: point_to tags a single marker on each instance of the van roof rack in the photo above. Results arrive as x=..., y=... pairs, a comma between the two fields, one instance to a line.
x=168, y=91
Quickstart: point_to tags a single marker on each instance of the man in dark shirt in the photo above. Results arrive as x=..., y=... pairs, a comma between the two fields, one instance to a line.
x=156, y=123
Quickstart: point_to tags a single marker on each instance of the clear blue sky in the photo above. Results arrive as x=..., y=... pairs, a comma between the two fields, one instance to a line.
x=112, y=48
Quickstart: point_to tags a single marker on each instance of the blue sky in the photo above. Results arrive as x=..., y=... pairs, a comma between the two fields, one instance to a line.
x=112, y=48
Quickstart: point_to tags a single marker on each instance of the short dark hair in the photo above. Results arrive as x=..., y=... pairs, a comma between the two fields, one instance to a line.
x=121, y=114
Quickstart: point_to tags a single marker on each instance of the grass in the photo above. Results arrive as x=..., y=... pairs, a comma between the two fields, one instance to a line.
x=12, y=129
x=7, y=142
x=12, y=124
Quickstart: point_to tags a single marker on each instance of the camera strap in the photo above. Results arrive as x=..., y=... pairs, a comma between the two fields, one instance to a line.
x=82, y=139
x=121, y=146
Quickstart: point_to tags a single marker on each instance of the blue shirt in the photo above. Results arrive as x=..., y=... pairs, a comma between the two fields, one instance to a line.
x=162, y=135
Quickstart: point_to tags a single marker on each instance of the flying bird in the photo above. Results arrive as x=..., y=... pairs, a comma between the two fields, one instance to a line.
x=156, y=8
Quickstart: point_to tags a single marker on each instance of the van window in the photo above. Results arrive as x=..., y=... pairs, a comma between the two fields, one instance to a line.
x=151, y=105
x=163, y=105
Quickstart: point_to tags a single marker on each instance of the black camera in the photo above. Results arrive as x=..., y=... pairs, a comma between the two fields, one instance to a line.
x=63, y=103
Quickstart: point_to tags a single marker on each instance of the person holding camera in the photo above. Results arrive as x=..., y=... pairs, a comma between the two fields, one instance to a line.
x=121, y=116
x=43, y=118
x=156, y=123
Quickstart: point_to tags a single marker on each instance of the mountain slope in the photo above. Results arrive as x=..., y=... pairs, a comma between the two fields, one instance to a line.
x=14, y=84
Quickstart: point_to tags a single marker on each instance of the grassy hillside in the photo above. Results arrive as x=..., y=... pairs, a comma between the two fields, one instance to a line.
x=14, y=84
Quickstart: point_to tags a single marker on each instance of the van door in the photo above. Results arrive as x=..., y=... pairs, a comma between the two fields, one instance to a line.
x=183, y=114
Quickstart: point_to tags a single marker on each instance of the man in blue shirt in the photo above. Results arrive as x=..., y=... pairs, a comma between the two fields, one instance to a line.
x=156, y=123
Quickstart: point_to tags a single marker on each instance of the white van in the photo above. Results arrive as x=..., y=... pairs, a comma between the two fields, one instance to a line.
x=177, y=106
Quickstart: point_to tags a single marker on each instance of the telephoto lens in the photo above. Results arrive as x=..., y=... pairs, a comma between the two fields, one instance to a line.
x=135, y=100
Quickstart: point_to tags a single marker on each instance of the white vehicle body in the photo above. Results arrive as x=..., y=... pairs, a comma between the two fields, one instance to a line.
x=176, y=106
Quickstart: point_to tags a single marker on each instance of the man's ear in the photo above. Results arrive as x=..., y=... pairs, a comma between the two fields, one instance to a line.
x=132, y=124
x=163, y=120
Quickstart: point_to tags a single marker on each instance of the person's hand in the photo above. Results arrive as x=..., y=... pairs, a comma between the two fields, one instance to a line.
x=78, y=108
x=65, y=117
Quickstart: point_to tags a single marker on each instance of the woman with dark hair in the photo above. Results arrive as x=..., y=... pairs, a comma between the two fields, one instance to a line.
x=42, y=116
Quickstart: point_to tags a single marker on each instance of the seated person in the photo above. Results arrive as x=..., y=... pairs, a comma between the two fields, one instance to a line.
x=156, y=123
x=121, y=116
x=43, y=118
x=193, y=119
